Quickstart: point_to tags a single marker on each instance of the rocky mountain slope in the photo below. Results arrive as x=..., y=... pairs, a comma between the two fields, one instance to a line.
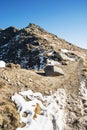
x=32, y=46
x=26, y=53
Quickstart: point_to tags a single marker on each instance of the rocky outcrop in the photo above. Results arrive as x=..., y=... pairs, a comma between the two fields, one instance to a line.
x=51, y=70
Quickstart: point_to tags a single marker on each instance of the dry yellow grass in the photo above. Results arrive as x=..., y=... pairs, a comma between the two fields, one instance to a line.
x=37, y=111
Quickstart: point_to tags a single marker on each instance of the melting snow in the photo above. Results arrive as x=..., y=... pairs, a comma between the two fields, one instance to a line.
x=83, y=90
x=50, y=53
x=65, y=50
x=52, y=62
x=36, y=67
x=41, y=57
x=17, y=37
x=2, y=63
x=5, y=45
x=34, y=49
x=71, y=59
x=19, y=53
x=43, y=112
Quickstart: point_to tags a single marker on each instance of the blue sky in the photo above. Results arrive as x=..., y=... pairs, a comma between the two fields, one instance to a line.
x=65, y=18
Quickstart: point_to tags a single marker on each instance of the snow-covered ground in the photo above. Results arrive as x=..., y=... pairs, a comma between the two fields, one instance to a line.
x=42, y=112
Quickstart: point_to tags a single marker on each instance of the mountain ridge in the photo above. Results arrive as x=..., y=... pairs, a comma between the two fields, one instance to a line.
x=32, y=26
x=29, y=43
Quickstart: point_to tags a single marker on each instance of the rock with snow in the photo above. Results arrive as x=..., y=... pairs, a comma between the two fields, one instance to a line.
x=64, y=50
x=53, y=62
x=64, y=56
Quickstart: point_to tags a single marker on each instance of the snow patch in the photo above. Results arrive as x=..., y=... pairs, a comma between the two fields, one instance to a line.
x=5, y=45
x=17, y=37
x=71, y=59
x=52, y=62
x=50, y=53
x=2, y=64
x=36, y=67
x=43, y=112
x=65, y=50
x=83, y=90
x=19, y=53
x=34, y=49
x=42, y=64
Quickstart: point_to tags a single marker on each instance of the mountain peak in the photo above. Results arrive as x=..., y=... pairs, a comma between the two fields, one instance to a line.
x=32, y=25
x=35, y=29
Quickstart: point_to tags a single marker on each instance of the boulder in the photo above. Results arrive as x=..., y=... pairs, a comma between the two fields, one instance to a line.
x=63, y=56
x=53, y=70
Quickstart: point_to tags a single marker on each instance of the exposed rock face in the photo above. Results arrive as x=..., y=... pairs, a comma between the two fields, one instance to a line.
x=34, y=48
